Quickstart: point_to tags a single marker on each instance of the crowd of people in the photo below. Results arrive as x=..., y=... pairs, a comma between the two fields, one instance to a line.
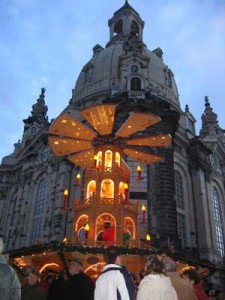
x=159, y=280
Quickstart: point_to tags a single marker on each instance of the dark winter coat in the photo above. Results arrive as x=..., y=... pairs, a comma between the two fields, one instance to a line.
x=32, y=292
x=55, y=289
x=78, y=287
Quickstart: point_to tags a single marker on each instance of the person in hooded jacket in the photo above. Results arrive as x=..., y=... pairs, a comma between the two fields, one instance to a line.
x=155, y=285
x=10, y=288
x=111, y=284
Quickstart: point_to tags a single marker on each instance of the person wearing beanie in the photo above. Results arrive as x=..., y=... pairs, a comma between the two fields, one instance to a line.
x=79, y=285
x=10, y=288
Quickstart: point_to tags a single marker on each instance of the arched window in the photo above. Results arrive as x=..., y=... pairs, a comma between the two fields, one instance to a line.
x=179, y=191
x=181, y=218
x=121, y=188
x=118, y=28
x=41, y=198
x=181, y=228
x=99, y=159
x=45, y=152
x=37, y=226
x=117, y=158
x=220, y=240
x=134, y=28
x=128, y=229
x=135, y=84
x=169, y=80
x=81, y=222
x=36, y=234
x=216, y=205
x=91, y=188
x=217, y=219
x=107, y=188
x=108, y=159
x=105, y=228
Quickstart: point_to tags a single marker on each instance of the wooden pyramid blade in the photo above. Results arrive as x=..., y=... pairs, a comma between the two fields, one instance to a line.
x=64, y=146
x=143, y=156
x=101, y=117
x=83, y=159
x=137, y=122
x=67, y=126
x=156, y=140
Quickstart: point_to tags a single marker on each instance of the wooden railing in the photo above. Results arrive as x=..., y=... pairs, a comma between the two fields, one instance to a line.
x=106, y=202
x=122, y=170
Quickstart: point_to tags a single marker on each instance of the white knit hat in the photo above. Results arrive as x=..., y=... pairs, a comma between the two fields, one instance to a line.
x=1, y=245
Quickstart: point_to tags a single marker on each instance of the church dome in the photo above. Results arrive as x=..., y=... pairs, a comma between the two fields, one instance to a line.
x=125, y=65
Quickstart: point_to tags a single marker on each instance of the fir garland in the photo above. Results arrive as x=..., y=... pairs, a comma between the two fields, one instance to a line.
x=62, y=248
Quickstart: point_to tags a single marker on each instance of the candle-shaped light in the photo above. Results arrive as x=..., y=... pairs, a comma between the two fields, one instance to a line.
x=65, y=198
x=95, y=161
x=86, y=229
x=65, y=241
x=148, y=239
x=143, y=211
x=138, y=172
x=126, y=192
x=78, y=179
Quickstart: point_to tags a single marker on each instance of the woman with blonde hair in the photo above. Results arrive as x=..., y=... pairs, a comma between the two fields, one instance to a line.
x=155, y=285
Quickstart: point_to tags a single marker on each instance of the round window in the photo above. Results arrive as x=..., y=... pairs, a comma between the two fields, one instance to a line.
x=134, y=69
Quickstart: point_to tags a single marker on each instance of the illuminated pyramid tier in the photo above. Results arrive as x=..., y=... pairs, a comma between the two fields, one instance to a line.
x=93, y=142
x=106, y=207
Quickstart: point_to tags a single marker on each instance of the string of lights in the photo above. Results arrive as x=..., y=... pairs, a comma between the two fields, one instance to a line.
x=62, y=248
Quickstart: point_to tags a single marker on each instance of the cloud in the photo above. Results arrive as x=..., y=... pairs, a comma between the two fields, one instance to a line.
x=46, y=43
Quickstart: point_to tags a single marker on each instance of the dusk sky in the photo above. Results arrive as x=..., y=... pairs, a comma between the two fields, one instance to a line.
x=45, y=43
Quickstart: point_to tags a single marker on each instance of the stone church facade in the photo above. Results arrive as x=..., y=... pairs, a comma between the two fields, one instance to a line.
x=184, y=195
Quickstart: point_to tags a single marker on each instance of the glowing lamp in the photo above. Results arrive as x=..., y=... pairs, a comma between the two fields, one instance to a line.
x=143, y=211
x=78, y=179
x=65, y=198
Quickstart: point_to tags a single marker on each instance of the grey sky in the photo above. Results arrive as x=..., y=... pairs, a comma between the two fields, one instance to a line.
x=46, y=43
